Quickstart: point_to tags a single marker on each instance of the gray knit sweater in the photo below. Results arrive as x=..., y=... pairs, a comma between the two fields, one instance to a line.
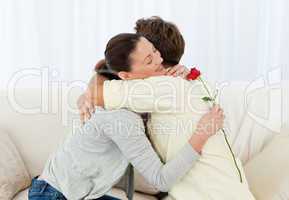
x=92, y=160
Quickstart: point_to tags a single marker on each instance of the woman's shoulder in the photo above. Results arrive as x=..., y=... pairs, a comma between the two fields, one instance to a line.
x=124, y=113
x=119, y=115
x=119, y=121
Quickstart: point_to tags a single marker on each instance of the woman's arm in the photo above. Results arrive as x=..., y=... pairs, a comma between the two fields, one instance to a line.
x=129, y=136
x=135, y=146
x=93, y=96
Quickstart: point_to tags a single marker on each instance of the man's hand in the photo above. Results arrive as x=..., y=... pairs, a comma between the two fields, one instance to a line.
x=178, y=70
x=208, y=125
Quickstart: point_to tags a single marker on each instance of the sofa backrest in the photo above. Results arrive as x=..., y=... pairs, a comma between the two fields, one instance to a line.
x=38, y=121
x=35, y=130
x=254, y=114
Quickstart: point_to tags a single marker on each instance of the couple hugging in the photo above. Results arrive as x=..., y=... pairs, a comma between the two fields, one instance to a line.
x=186, y=155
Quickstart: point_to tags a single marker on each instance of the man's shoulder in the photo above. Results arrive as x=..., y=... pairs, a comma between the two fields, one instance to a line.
x=150, y=81
x=170, y=78
x=167, y=79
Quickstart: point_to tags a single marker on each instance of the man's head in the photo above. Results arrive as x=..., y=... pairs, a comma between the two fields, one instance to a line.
x=165, y=36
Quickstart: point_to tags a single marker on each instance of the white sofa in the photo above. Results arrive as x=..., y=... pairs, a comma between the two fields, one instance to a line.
x=37, y=122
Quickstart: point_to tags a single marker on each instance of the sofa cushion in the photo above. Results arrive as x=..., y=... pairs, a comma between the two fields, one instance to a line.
x=37, y=133
x=253, y=116
x=13, y=174
x=141, y=185
x=137, y=196
x=267, y=173
x=23, y=195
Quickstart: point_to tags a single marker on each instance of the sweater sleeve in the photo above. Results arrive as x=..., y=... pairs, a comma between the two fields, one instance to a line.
x=162, y=94
x=135, y=146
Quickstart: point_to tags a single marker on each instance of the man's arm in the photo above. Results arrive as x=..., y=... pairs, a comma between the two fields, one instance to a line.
x=93, y=96
x=162, y=94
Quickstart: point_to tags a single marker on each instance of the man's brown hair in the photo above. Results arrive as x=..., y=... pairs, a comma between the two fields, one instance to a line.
x=165, y=36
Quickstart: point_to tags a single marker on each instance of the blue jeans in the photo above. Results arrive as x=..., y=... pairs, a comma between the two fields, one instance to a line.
x=41, y=190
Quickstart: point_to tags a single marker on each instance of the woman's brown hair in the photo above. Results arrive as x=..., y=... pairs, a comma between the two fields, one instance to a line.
x=117, y=55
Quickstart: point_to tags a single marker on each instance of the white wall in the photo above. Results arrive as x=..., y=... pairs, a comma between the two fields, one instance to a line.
x=227, y=39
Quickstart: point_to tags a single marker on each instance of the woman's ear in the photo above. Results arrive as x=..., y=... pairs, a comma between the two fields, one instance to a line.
x=123, y=75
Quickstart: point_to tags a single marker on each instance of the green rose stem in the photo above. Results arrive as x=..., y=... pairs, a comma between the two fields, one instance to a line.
x=225, y=135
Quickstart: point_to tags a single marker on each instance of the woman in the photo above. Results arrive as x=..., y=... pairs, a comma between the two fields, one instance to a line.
x=91, y=161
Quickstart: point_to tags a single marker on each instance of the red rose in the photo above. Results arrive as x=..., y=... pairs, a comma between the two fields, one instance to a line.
x=194, y=74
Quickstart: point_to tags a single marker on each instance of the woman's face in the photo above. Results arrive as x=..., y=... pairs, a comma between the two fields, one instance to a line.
x=146, y=61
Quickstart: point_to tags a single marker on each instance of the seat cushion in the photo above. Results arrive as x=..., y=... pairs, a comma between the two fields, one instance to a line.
x=137, y=196
x=114, y=192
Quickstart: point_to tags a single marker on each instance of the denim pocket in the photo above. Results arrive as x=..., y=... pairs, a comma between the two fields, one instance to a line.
x=40, y=190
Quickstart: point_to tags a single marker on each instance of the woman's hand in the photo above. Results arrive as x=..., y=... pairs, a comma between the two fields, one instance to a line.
x=85, y=106
x=93, y=96
x=207, y=126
